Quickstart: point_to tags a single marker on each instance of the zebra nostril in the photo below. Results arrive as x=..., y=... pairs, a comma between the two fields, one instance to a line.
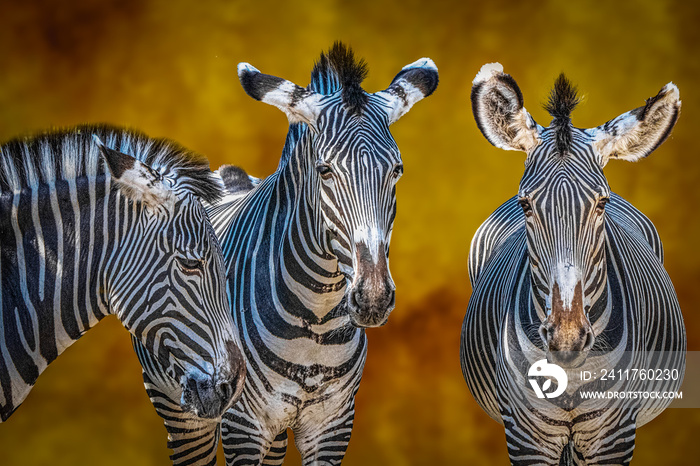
x=543, y=334
x=590, y=340
x=192, y=384
x=225, y=391
x=392, y=300
x=354, y=303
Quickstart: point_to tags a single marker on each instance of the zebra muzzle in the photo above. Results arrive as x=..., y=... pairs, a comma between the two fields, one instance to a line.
x=371, y=295
x=208, y=397
x=371, y=302
x=567, y=333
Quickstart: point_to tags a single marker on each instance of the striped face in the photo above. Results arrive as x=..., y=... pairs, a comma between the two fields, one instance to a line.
x=563, y=194
x=171, y=271
x=358, y=165
x=167, y=286
x=563, y=199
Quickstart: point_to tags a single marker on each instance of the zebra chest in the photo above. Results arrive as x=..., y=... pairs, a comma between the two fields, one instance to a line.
x=316, y=385
x=310, y=383
x=292, y=354
x=309, y=373
x=292, y=404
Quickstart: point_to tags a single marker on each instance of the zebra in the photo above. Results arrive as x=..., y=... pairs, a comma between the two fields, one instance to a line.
x=81, y=239
x=567, y=273
x=307, y=256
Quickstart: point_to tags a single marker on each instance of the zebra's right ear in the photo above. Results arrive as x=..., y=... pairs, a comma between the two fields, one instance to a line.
x=135, y=179
x=299, y=104
x=498, y=109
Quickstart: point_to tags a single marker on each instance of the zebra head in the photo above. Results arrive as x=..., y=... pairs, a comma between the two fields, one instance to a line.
x=167, y=284
x=350, y=164
x=563, y=194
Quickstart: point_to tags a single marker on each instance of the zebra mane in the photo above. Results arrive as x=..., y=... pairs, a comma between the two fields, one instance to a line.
x=236, y=179
x=563, y=99
x=68, y=153
x=338, y=70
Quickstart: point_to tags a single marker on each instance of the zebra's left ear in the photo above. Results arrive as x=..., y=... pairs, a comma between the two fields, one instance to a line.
x=637, y=133
x=134, y=179
x=413, y=83
x=299, y=104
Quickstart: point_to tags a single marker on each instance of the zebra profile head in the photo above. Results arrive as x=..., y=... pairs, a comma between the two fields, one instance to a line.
x=349, y=164
x=166, y=280
x=563, y=194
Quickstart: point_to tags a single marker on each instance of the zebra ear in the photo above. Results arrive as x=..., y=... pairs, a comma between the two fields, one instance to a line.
x=637, y=133
x=413, y=83
x=498, y=109
x=135, y=179
x=299, y=104
x=236, y=180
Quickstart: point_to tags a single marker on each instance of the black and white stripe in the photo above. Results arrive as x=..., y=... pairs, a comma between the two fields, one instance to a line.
x=81, y=239
x=307, y=256
x=570, y=272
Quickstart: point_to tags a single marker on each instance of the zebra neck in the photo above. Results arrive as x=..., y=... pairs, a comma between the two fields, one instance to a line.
x=306, y=274
x=53, y=242
x=281, y=280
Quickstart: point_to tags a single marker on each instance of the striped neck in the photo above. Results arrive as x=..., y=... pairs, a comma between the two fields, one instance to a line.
x=56, y=263
x=306, y=272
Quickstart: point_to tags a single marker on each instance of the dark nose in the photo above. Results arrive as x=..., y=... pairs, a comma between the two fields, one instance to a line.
x=369, y=303
x=566, y=332
x=202, y=395
x=573, y=355
x=373, y=296
x=554, y=341
x=210, y=397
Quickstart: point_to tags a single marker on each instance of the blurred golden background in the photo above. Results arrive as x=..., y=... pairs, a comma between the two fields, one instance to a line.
x=169, y=69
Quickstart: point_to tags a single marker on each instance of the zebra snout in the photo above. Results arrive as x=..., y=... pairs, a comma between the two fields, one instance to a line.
x=566, y=332
x=566, y=346
x=199, y=396
x=371, y=295
x=369, y=304
x=208, y=396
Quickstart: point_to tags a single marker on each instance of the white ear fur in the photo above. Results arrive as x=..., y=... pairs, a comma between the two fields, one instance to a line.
x=299, y=104
x=136, y=180
x=497, y=104
x=413, y=83
x=637, y=133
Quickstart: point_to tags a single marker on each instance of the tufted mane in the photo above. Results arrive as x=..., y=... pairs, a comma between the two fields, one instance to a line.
x=563, y=99
x=339, y=70
x=69, y=153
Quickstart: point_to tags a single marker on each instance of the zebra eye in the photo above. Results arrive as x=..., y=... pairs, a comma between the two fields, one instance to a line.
x=525, y=204
x=190, y=266
x=398, y=170
x=600, y=207
x=324, y=170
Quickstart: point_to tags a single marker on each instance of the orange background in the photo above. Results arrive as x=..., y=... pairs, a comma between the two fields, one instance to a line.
x=169, y=69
